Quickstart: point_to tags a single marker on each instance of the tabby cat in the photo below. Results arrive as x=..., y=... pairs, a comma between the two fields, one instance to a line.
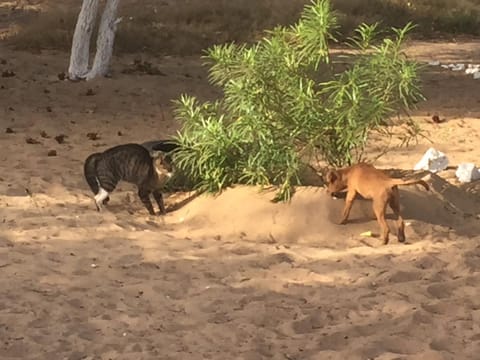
x=131, y=163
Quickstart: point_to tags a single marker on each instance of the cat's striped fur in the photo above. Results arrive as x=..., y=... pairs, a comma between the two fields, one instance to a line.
x=131, y=163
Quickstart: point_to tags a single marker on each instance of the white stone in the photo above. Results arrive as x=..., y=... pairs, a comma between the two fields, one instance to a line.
x=467, y=172
x=433, y=160
x=458, y=67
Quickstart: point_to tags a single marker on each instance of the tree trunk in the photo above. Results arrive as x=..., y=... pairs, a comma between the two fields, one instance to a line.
x=79, y=56
x=106, y=37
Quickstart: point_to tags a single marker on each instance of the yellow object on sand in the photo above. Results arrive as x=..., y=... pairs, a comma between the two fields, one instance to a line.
x=366, y=233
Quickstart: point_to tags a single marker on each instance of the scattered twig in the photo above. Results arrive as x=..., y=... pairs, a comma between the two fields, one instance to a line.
x=33, y=141
x=93, y=136
x=60, y=138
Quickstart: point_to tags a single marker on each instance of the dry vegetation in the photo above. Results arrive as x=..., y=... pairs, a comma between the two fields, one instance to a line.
x=185, y=27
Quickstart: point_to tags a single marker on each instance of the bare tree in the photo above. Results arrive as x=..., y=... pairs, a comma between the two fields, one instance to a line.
x=79, y=57
x=78, y=67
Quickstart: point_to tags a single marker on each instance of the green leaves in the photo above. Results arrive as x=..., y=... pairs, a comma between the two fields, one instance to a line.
x=281, y=103
x=365, y=36
x=313, y=32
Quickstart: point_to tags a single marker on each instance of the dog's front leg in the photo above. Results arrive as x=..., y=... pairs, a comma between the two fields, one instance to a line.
x=348, y=206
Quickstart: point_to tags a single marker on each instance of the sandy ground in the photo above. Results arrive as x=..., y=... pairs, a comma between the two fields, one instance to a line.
x=227, y=277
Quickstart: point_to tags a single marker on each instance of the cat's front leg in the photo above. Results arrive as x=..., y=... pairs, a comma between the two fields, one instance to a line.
x=159, y=199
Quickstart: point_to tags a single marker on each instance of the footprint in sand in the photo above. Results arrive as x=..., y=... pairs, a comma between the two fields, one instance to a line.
x=405, y=276
x=444, y=344
x=441, y=290
x=220, y=318
x=243, y=251
x=472, y=259
x=440, y=308
x=422, y=317
x=15, y=349
x=311, y=323
x=428, y=262
x=128, y=260
x=392, y=348
x=431, y=355
x=75, y=303
x=272, y=260
x=141, y=270
x=40, y=322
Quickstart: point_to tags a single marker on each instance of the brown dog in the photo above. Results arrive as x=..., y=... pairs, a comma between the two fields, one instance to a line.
x=374, y=184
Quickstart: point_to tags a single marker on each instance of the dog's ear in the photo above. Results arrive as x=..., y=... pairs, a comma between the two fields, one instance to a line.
x=331, y=176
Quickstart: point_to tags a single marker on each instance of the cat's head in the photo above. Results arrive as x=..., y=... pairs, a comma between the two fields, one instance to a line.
x=162, y=162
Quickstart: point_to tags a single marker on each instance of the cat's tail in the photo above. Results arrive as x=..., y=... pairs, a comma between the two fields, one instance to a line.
x=90, y=172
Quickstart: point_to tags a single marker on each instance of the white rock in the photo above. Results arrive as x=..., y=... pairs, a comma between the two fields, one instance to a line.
x=472, y=68
x=433, y=160
x=434, y=63
x=458, y=67
x=476, y=75
x=445, y=66
x=467, y=172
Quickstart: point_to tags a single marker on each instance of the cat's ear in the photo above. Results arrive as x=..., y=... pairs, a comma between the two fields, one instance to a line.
x=155, y=154
x=162, y=159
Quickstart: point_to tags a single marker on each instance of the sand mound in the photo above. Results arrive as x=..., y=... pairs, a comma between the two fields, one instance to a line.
x=312, y=215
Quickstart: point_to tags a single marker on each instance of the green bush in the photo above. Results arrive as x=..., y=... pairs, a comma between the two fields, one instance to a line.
x=283, y=103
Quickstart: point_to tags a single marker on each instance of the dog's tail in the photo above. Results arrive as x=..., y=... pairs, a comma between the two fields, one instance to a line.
x=411, y=182
x=90, y=172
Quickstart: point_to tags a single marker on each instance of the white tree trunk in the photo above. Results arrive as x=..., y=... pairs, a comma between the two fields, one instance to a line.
x=106, y=37
x=79, y=56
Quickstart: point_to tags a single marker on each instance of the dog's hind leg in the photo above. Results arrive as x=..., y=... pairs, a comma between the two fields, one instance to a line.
x=348, y=206
x=394, y=203
x=379, y=207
